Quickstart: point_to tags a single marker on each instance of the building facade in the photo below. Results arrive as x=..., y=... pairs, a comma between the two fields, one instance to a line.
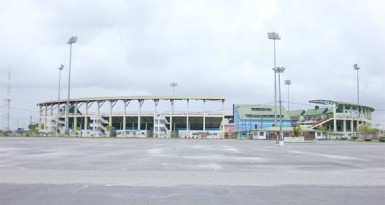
x=249, y=118
x=102, y=115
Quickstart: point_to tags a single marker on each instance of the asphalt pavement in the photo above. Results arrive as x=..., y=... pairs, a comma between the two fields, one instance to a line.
x=43, y=170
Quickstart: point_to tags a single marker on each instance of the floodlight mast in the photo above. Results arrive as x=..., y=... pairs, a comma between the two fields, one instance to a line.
x=358, y=84
x=288, y=83
x=274, y=36
x=280, y=70
x=58, y=99
x=71, y=41
x=173, y=85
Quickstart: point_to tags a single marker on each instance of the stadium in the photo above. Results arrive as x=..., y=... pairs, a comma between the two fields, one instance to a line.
x=128, y=117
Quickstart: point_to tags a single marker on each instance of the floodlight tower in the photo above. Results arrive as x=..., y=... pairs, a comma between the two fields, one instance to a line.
x=8, y=100
x=274, y=36
x=71, y=41
x=280, y=70
x=288, y=83
x=358, y=85
x=173, y=85
x=58, y=98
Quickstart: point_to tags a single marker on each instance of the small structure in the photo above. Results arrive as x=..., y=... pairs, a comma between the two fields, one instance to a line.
x=272, y=132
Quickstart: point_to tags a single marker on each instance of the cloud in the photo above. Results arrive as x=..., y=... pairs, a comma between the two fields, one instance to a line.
x=207, y=47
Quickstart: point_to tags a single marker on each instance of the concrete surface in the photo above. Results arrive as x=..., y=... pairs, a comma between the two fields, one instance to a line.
x=168, y=171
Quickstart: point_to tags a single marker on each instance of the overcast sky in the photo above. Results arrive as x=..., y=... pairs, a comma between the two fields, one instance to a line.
x=209, y=47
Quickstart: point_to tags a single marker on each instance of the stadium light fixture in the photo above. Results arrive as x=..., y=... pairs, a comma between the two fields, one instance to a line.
x=173, y=85
x=274, y=36
x=288, y=83
x=71, y=41
x=358, y=85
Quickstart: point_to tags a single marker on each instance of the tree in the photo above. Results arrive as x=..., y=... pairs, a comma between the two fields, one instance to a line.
x=365, y=130
x=33, y=127
x=297, y=131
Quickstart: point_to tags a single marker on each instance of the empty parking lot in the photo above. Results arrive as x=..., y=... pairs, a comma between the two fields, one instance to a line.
x=156, y=171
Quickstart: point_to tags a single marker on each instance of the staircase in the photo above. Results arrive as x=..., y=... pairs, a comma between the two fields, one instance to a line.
x=321, y=122
x=160, y=129
x=98, y=125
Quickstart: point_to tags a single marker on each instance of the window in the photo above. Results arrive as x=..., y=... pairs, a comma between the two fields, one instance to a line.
x=261, y=116
x=260, y=109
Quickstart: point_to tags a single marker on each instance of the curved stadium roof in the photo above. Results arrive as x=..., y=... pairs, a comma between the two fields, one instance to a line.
x=90, y=99
x=339, y=104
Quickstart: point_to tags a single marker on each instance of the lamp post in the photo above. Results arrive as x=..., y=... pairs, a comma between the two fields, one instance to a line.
x=358, y=85
x=58, y=99
x=274, y=36
x=173, y=85
x=280, y=70
x=288, y=83
x=71, y=41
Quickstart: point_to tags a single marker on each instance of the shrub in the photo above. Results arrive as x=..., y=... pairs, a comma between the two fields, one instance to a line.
x=297, y=131
x=353, y=138
x=382, y=139
x=368, y=140
x=344, y=138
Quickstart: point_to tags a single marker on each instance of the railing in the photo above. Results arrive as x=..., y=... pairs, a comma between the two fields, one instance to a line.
x=144, y=113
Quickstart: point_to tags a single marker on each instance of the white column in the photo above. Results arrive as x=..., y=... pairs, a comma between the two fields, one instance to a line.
x=351, y=122
x=204, y=115
x=74, y=116
x=344, y=121
x=335, y=118
x=223, y=117
x=140, y=113
x=40, y=117
x=171, y=114
x=110, y=117
x=366, y=114
x=45, y=117
x=187, y=119
x=155, y=129
x=126, y=102
x=86, y=117
x=51, y=110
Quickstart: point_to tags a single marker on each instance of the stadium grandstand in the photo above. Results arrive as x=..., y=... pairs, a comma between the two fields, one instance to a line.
x=101, y=116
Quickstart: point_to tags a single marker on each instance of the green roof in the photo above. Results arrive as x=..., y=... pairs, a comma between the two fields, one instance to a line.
x=295, y=113
x=259, y=111
x=339, y=104
x=312, y=112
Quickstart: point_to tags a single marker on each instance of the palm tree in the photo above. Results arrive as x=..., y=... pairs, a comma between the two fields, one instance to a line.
x=297, y=131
